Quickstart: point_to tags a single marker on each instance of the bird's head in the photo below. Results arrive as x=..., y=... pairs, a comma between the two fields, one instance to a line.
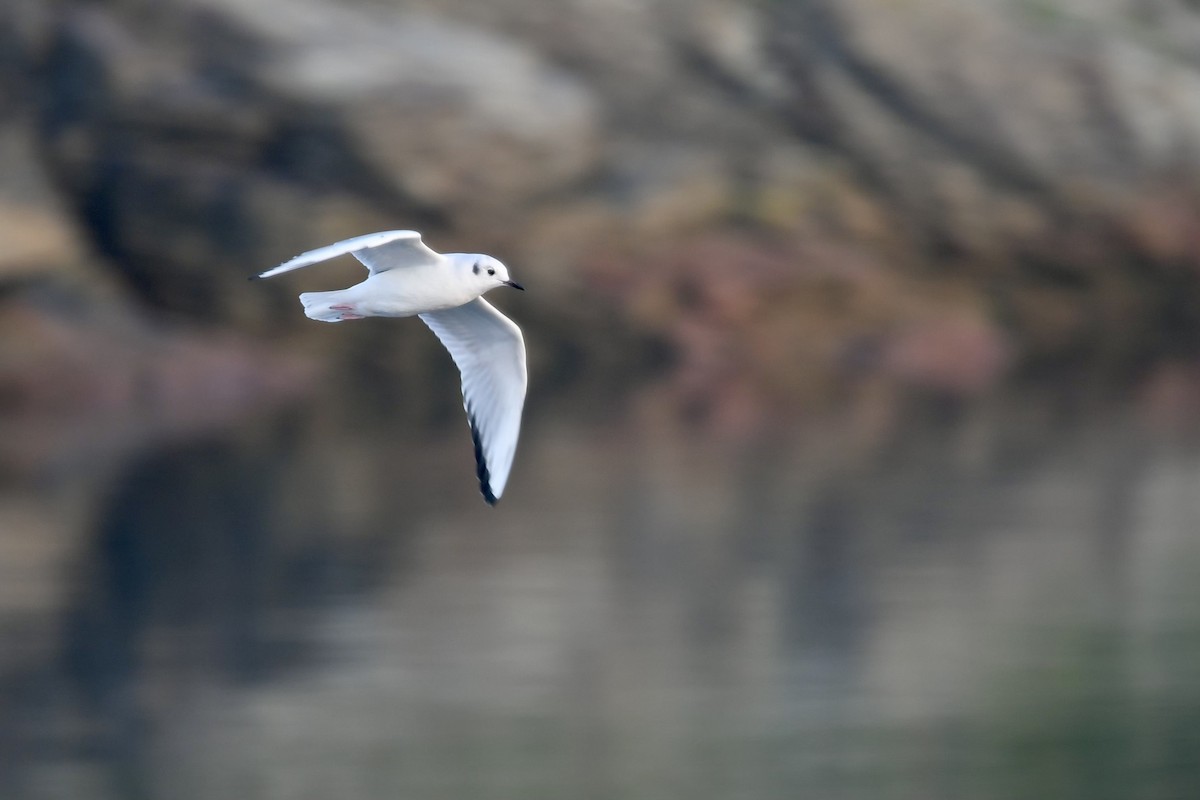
x=487, y=272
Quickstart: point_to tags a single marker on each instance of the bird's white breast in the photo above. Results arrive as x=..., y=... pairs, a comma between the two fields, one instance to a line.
x=416, y=290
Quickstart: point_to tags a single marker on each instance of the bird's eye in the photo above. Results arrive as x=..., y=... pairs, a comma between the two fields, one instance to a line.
x=491, y=272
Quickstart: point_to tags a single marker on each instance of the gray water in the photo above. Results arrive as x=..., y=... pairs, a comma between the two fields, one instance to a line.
x=998, y=599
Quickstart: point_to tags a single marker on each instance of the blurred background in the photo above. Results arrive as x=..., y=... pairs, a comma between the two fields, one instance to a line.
x=861, y=455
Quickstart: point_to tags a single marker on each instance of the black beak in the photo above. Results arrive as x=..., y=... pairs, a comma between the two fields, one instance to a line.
x=515, y=285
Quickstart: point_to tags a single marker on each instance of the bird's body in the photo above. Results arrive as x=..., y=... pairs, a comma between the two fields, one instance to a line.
x=406, y=278
x=390, y=294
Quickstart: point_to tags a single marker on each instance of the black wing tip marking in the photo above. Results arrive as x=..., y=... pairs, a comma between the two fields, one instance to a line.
x=254, y=278
x=481, y=468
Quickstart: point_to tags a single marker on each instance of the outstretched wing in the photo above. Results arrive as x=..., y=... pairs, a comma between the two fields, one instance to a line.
x=490, y=353
x=379, y=252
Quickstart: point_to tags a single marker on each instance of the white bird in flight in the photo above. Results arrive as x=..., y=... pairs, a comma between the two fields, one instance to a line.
x=445, y=291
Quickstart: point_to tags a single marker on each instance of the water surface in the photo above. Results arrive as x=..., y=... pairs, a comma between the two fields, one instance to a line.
x=997, y=599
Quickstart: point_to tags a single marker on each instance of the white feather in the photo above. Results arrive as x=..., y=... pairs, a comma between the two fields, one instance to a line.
x=379, y=252
x=490, y=353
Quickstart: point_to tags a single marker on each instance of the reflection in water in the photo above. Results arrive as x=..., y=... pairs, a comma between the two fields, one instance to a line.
x=1000, y=605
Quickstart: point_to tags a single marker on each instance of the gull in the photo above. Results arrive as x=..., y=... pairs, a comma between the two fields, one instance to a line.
x=406, y=278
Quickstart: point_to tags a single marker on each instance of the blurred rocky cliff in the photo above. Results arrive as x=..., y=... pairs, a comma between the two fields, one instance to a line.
x=796, y=193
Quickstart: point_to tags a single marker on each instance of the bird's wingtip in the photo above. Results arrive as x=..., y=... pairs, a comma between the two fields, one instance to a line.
x=481, y=468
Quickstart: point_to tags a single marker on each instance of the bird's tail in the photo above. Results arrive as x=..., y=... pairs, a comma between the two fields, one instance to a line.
x=319, y=305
